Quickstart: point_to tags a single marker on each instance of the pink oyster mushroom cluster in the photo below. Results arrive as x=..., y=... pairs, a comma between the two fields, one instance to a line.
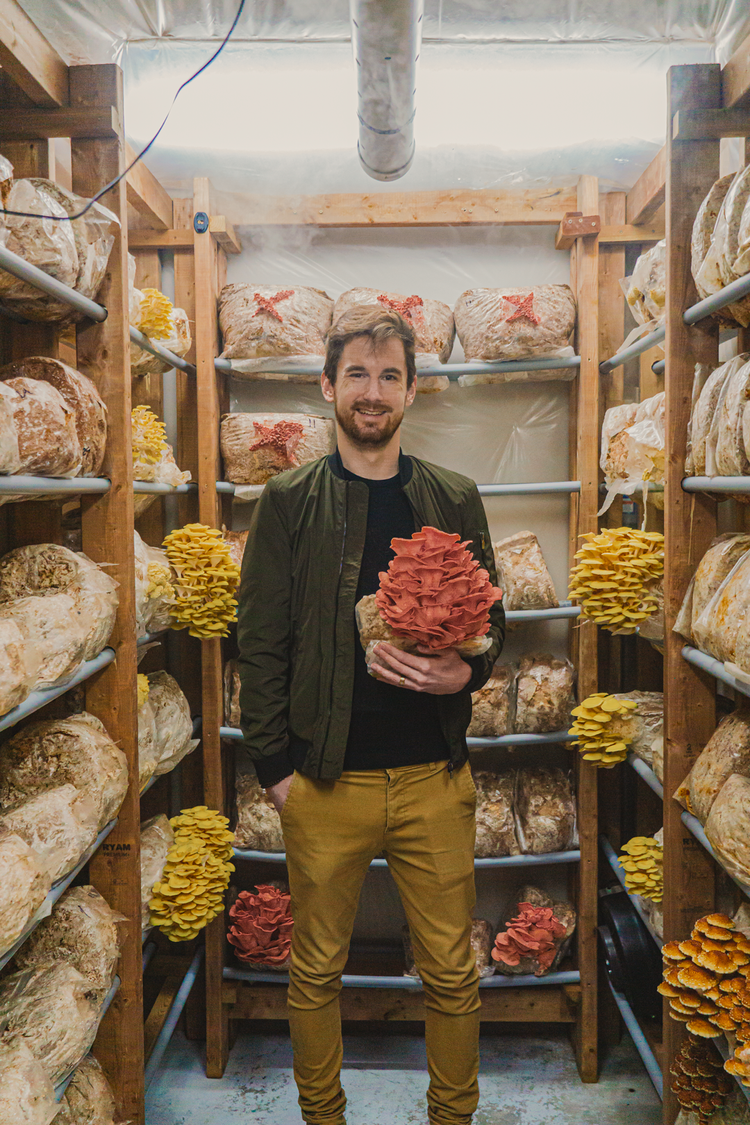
x=435, y=591
x=261, y=930
x=532, y=933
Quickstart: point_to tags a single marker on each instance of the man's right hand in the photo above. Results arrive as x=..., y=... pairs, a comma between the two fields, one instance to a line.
x=279, y=792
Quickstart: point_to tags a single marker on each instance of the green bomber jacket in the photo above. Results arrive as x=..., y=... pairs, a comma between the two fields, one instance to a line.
x=296, y=611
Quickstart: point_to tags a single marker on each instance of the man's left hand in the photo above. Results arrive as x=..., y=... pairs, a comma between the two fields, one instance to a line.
x=439, y=673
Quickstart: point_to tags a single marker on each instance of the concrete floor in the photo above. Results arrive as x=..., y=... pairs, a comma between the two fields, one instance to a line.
x=523, y=1081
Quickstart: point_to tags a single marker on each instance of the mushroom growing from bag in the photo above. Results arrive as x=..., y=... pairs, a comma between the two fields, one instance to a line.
x=434, y=592
x=261, y=930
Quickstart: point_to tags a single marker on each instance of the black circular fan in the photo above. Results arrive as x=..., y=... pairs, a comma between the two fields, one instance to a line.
x=631, y=958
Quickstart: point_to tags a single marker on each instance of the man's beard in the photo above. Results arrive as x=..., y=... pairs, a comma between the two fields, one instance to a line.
x=368, y=438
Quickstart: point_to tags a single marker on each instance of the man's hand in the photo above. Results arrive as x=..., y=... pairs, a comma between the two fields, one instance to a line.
x=439, y=673
x=279, y=792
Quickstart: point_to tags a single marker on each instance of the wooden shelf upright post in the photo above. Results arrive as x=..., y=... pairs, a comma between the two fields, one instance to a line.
x=585, y=272
x=210, y=275
x=104, y=355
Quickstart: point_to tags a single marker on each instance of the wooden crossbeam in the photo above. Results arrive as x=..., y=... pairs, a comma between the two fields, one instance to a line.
x=629, y=233
x=647, y=193
x=29, y=59
x=146, y=194
x=41, y=124
x=537, y=206
x=182, y=238
x=710, y=124
x=517, y=1005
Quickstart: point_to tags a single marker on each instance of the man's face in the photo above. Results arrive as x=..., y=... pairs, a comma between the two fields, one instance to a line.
x=370, y=393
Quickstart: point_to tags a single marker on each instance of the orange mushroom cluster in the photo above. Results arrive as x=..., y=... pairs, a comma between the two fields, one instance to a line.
x=697, y=1081
x=705, y=977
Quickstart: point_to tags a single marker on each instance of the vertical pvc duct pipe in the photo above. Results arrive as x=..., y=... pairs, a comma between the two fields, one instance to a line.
x=386, y=36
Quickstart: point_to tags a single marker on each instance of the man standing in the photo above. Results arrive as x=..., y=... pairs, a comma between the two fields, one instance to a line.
x=360, y=762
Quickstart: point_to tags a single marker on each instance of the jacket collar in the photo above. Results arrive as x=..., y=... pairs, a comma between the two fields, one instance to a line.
x=405, y=467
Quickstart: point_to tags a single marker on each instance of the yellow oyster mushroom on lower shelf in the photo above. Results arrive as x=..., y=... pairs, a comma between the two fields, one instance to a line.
x=641, y=860
x=190, y=892
x=155, y=314
x=601, y=730
x=149, y=436
x=207, y=579
x=615, y=578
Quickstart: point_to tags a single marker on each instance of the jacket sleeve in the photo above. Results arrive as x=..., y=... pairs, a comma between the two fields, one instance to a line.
x=477, y=530
x=264, y=637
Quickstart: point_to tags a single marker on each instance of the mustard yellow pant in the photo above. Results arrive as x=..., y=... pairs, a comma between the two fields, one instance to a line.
x=423, y=821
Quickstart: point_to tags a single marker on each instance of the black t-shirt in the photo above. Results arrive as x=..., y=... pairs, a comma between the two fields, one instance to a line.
x=390, y=726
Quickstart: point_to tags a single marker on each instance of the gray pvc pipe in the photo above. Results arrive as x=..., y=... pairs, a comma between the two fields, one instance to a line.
x=386, y=38
x=24, y=271
x=648, y=1058
x=351, y=980
x=50, y=485
x=716, y=484
x=647, y=774
x=162, y=353
x=634, y=350
x=452, y=370
x=714, y=667
x=726, y=296
x=162, y=1040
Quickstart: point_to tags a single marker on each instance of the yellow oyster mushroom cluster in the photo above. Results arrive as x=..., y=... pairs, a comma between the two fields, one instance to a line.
x=615, y=577
x=155, y=314
x=190, y=893
x=642, y=863
x=149, y=436
x=598, y=728
x=207, y=579
x=143, y=689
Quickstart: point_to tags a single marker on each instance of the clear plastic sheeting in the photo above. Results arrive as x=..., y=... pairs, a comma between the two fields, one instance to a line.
x=307, y=142
x=78, y=25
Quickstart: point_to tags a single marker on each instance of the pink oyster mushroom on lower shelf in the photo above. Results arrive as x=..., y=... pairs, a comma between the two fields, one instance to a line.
x=531, y=934
x=261, y=930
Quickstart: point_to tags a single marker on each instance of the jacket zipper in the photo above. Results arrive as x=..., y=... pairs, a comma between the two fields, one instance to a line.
x=335, y=624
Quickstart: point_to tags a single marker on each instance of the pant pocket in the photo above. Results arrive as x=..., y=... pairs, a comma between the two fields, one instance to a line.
x=292, y=790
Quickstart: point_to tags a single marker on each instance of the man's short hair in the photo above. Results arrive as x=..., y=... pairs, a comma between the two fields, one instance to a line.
x=378, y=325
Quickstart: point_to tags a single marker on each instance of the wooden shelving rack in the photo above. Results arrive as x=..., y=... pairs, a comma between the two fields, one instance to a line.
x=705, y=103
x=37, y=90
x=573, y=1000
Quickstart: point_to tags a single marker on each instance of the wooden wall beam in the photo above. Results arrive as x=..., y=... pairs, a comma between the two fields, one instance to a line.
x=29, y=59
x=181, y=238
x=689, y=525
x=586, y=274
x=647, y=193
x=67, y=121
x=515, y=1005
x=710, y=124
x=537, y=206
x=735, y=77
x=146, y=194
x=622, y=233
x=104, y=355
